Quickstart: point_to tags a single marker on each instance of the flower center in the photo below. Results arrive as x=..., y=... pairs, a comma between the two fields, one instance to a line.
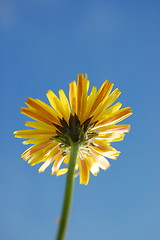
x=74, y=131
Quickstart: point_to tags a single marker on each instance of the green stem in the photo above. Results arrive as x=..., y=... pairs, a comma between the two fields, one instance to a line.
x=68, y=192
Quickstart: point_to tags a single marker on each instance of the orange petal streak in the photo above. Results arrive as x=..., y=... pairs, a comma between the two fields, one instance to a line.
x=35, y=115
x=116, y=117
x=42, y=108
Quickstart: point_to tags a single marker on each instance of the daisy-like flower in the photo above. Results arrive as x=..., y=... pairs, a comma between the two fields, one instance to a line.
x=87, y=119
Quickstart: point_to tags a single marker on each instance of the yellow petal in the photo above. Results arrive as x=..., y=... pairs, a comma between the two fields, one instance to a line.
x=111, y=137
x=61, y=171
x=35, y=148
x=44, y=154
x=39, y=125
x=35, y=115
x=101, y=113
x=37, y=158
x=90, y=100
x=104, y=150
x=57, y=105
x=82, y=90
x=31, y=133
x=37, y=140
x=112, y=98
x=102, y=95
x=43, y=109
x=65, y=103
x=66, y=159
x=73, y=96
x=84, y=172
x=115, y=117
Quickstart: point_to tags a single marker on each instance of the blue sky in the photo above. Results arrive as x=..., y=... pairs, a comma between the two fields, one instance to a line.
x=43, y=45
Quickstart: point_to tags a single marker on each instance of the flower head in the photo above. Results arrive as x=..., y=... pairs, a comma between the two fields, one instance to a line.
x=88, y=119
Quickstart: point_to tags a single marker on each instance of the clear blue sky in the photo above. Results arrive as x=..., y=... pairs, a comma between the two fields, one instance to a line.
x=43, y=45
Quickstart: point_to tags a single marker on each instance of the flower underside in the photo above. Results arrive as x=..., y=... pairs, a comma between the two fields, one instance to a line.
x=86, y=119
x=74, y=131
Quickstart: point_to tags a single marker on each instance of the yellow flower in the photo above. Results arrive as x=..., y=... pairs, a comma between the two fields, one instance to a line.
x=85, y=118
